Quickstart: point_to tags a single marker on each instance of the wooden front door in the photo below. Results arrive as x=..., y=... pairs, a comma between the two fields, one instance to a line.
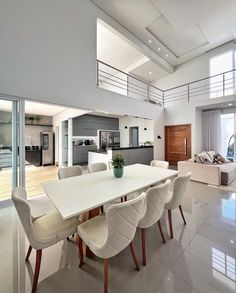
x=177, y=143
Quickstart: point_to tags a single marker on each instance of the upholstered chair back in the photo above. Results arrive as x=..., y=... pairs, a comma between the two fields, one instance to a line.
x=160, y=164
x=180, y=185
x=154, y=204
x=122, y=220
x=70, y=172
x=24, y=213
x=97, y=167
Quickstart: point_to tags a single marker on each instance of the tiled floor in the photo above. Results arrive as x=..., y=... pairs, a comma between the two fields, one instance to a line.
x=200, y=258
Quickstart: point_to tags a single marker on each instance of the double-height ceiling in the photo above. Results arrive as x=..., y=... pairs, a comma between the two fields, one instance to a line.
x=175, y=31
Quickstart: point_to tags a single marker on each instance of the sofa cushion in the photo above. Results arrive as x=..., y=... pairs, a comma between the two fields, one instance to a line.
x=203, y=158
x=211, y=155
x=227, y=174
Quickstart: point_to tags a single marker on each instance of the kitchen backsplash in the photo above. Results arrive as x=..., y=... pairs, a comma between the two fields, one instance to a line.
x=85, y=140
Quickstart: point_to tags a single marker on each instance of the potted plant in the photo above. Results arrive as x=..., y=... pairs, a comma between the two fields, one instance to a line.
x=118, y=165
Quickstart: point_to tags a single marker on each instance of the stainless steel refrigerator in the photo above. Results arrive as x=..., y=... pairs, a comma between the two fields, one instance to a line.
x=109, y=139
x=47, y=148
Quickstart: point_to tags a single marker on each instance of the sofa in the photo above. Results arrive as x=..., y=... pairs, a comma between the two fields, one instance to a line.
x=210, y=172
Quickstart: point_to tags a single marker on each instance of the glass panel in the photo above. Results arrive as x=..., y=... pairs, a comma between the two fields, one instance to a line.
x=8, y=147
x=65, y=143
x=220, y=64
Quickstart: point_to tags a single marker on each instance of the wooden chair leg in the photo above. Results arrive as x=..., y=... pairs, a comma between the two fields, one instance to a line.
x=105, y=268
x=125, y=198
x=80, y=248
x=102, y=210
x=182, y=214
x=121, y=199
x=28, y=253
x=161, y=232
x=143, y=246
x=37, y=270
x=170, y=223
x=134, y=256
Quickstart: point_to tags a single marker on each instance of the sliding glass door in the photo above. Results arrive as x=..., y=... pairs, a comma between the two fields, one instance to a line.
x=228, y=135
x=11, y=133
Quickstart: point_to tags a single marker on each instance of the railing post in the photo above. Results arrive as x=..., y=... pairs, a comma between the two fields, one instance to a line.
x=148, y=92
x=223, y=84
x=188, y=93
x=163, y=98
x=97, y=73
x=127, y=85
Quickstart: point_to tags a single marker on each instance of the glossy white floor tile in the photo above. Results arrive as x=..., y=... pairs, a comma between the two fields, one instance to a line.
x=200, y=258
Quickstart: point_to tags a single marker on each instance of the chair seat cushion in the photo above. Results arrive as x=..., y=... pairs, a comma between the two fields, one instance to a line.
x=94, y=230
x=51, y=228
x=40, y=206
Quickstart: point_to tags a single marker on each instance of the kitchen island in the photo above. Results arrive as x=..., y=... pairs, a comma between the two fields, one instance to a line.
x=132, y=155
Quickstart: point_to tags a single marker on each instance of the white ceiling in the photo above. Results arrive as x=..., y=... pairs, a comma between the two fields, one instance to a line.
x=33, y=108
x=179, y=30
x=149, y=71
x=115, y=50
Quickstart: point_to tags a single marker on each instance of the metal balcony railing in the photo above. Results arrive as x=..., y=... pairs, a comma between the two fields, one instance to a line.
x=115, y=80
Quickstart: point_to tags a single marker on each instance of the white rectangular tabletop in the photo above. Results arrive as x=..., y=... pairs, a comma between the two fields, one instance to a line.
x=75, y=195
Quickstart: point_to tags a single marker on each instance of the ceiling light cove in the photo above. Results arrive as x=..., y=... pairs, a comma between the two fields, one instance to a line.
x=159, y=49
x=150, y=72
x=150, y=41
x=230, y=104
x=167, y=55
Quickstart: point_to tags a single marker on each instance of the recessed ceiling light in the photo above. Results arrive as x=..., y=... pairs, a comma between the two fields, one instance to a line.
x=167, y=55
x=159, y=49
x=230, y=104
x=231, y=241
x=150, y=72
x=149, y=41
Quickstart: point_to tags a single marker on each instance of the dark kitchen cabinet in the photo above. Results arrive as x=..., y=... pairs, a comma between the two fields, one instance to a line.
x=87, y=125
x=80, y=153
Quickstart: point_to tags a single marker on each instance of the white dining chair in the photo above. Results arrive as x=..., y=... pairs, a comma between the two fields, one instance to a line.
x=176, y=197
x=97, y=167
x=40, y=206
x=43, y=232
x=67, y=172
x=109, y=234
x=153, y=206
x=73, y=171
x=160, y=164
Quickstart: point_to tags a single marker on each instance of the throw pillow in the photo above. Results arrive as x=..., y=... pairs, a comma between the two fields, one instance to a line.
x=203, y=158
x=219, y=159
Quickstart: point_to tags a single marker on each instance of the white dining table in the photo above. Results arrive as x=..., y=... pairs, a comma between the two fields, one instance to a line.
x=76, y=195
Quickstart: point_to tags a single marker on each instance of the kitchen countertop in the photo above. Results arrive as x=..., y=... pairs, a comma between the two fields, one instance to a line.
x=120, y=149
x=132, y=148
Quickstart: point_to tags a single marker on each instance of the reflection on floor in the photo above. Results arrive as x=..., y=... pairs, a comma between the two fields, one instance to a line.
x=34, y=176
x=200, y=258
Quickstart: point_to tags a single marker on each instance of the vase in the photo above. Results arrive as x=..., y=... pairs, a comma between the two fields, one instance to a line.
x=118, y=172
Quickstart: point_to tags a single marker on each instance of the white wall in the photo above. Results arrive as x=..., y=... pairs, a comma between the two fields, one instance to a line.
x=144, y=135
x=192, y=70
x=32, y=134
x=191, y=113
x=56, y=122
x=48, y=53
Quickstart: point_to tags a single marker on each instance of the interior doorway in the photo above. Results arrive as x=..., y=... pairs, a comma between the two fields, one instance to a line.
x=177, y=143
x=133, y=136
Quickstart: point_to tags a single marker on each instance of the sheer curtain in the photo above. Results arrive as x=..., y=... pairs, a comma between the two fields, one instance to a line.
x=212, y=131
